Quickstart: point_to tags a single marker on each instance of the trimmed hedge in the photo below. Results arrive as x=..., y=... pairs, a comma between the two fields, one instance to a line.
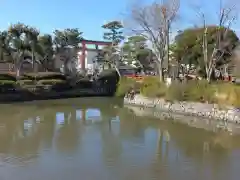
x=51, y=82
x=23, y=78
x=108, y=74
x=45, y=75
x=84, y=83
x=7, y=86
x=7, y=76
x=7, y=82
x=55, y=84
x=25, y=82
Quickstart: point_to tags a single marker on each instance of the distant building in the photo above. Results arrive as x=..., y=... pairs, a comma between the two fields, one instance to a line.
x=75, y=56
x=89, y=59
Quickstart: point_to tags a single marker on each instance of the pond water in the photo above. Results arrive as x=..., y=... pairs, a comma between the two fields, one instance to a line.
x=97, y=139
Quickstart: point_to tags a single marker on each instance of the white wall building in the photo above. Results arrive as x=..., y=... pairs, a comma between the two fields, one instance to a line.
x=90, y=55
x=76, y=60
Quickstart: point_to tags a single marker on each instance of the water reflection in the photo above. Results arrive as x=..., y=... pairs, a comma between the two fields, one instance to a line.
x=79, y=114
x=68, y=139
x=93, y=114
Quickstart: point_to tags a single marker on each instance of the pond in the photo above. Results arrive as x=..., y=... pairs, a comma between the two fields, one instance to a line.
x=98, y=139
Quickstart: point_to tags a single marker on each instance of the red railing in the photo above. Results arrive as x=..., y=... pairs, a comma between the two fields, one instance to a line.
x=136, y=77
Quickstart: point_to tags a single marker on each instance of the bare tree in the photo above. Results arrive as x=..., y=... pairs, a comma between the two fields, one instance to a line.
x=226, y=17
x=154, y=21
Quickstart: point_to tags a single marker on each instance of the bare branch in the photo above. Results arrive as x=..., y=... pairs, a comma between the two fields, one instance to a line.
x=154, y=21
x=226, y=17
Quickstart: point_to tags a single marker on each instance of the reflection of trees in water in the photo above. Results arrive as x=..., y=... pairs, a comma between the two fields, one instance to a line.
x=190, y=143
x=193, y=141
x=8, y=134
x=13, y=141
x=197, y=145
x=26, y=145
x=46, y=130
x=163, y=145
x=159, y=165
x=131, y=129
x=17, y=141
x=221, y=145
x=111, y=148
x=67, y=135
x=111, y=144
x=23, y=133
x=12, y=121
x=190, y=140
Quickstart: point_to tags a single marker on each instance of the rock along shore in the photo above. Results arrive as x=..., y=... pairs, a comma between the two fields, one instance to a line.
x=211, y=111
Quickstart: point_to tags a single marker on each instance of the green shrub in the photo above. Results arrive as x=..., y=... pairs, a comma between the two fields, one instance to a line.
x=7, y=86
x=176, y=92
x=84, y=83
x=51, y=82
x=152, y=87
x=227, y=94
x=7, y=76
x=108, y=74
x=236, y=98
x=194, y=90
x=45, y=75
x=125, y=85
x=7, y=82
x=56, y=84
x=200, y=91
x=25, y=82
x=24, y=78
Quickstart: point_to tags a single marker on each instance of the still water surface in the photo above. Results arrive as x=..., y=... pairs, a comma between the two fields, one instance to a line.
x=96, y=139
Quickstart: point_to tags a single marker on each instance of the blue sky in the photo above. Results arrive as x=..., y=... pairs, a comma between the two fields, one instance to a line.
x=87, y=15
x=47, y=15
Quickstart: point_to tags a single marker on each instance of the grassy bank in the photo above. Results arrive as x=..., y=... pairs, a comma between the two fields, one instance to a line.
x=196, y=91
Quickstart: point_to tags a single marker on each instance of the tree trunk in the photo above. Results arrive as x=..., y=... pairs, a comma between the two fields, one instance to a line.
x=208, y=77
x=1, y=54
x=160, y=71
x=178, y=69
x=209, y=73
x=33, y=62
x=17, y=63
x=117, y=69
x=160, y=67
x=65, y=64
x=18, y=72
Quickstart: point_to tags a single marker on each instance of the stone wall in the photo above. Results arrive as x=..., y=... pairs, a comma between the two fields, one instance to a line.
x=212, y=125
x=204, y=110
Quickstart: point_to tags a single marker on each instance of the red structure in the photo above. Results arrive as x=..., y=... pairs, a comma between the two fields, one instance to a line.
x=84, y=49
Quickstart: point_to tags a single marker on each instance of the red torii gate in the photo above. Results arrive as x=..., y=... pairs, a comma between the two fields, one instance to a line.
x=83, y=49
